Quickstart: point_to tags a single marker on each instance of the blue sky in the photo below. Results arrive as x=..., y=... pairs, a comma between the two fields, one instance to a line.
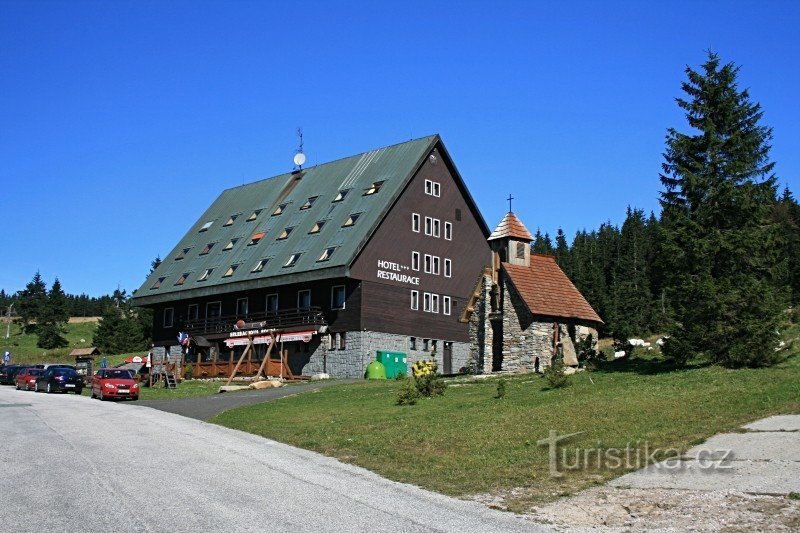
x=120, y=122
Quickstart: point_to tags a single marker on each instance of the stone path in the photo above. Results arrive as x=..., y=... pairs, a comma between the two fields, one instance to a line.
x=734, y=481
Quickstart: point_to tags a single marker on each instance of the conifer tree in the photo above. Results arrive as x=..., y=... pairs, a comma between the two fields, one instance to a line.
x=51, y=319
x=718, y=246
x=32, y=301
x=562, y=253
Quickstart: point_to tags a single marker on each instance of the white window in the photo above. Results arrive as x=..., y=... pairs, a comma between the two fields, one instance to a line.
x=436, y=189
x=446, y=304
x=448, y=268
x=272, y=303
x=304, y=299
x=414, y=260
x=415, y=222
x=428, y=226
x=169, y=316
x=448, y=231
x=436, y=224
x=434, y=303
x=426, y=302
x=193, y=312
x=415, y=300
x=241, y=307
x=204, y=276
x=428, y=260
x=331, y=341
x=337, y=297
x=340, y=337
x=435, y=268
x=428, y=187
x=206, y=226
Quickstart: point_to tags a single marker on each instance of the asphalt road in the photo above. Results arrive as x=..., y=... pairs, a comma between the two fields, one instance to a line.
x=205, y=407
x=72, y=463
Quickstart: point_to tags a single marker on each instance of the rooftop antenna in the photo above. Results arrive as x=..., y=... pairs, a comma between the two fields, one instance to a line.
x=509, y=202
x=299, y=156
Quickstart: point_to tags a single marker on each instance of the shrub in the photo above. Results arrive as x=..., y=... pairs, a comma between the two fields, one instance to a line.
x=501, y=389
x=408, y=393
x=427, y=382
x=555, y=376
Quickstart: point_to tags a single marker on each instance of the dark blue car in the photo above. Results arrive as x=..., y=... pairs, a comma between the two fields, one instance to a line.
x=60, y=380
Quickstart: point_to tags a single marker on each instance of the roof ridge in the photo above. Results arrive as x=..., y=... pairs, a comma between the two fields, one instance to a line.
x=332, y=161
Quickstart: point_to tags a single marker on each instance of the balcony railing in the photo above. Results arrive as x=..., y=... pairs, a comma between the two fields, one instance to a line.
x=309, y=317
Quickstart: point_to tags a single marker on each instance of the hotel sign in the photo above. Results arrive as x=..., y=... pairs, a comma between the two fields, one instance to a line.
x=394, y=272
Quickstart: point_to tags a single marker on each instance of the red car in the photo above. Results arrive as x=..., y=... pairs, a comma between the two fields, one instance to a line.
x=110, y=383
x=27, y=378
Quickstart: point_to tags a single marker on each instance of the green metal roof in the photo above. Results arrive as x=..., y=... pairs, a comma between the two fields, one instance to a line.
x=393, y=166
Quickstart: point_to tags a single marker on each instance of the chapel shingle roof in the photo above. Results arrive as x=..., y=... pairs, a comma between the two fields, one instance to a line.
x=547, y=291
x=512, y=227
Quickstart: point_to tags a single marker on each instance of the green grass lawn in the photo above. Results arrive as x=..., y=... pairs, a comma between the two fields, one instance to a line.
x=24, y=350
x=467, y=442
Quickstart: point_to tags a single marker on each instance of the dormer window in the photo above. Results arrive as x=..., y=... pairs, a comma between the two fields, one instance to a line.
x=327, y=254
x=317, y=226
x=230, y=244
x=279, y=209
x=254, y=215
x=351, y=220
x=256, y=237
x=374, y=188
x=230, y=221
x=341, y=195
x=286, y=232
x=260, y=265
x=293, y=259
x=183, y=278
x=309, y=203
x=231, y=269
x=206, y=226
x=207, y=249
x=182, y=254
x=204, y=276
x=158, y=283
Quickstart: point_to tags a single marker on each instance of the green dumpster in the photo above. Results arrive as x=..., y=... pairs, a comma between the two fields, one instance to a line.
x=394, y=362
x=375, y=370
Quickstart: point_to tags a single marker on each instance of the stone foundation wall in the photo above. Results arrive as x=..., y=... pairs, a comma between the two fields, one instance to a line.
x=361, y=347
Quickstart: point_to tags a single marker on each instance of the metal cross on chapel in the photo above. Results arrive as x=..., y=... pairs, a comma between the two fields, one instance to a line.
x=509, y=202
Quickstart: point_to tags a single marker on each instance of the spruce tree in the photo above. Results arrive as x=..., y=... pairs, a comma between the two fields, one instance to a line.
x=105, y=336
x=51, y=319
x=562, y=253
x=32, y=301
x=718, y=247
x=633, y=299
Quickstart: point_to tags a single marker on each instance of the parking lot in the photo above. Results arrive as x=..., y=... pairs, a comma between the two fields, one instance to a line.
x=72, y=463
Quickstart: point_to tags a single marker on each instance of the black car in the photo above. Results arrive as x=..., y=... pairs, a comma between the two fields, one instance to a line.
x=60, y=380
x=9, y=373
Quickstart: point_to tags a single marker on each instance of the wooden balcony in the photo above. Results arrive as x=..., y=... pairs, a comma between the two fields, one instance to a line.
x=285, y=319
